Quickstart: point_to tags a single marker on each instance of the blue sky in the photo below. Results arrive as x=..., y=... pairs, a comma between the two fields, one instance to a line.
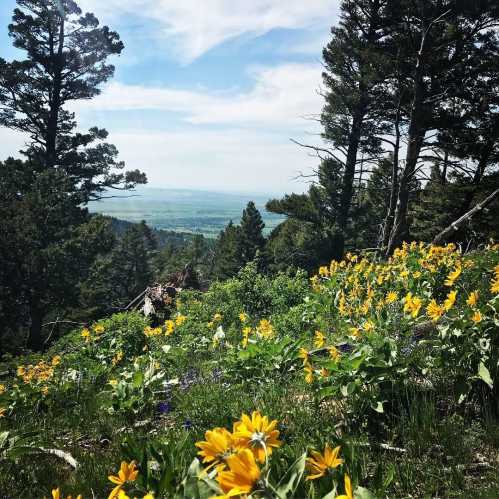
x=207, y=93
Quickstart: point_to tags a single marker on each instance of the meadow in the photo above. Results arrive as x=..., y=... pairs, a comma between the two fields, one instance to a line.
x=370, y=379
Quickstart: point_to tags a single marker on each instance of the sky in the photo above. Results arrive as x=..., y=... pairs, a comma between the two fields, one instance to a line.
x=208, y=93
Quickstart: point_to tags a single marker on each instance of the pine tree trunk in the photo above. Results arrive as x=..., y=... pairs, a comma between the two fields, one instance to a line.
x=35, y=342
x=55, y=103
x=387, y=227
x=349, y=174
x=416, y=133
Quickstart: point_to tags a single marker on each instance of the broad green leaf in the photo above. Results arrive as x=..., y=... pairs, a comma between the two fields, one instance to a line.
x=138, y=379
x=484, y=374
x=362, y=493
x=290, y=481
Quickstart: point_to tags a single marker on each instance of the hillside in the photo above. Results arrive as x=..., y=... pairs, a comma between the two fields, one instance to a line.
x=371, y=379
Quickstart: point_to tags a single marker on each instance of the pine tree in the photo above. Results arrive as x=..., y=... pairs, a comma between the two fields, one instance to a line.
x=444, y=44
x=251, y=233
x=228, y=252
x=66, y=61
x=66, y=55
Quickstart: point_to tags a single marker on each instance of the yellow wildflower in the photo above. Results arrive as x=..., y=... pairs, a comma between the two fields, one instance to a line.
x=217, y=317
x=434, y=310
x=324, y=271
x=450, y=300
x=472, y=298
x=258, y=434
x=319, y=339
x=241, y=477
x=98, y=329
x=56, y=494
x=218, y=445
x=180, y=319
x=265, y=329
x=391, y=297
x=303, y=354
x=117, y=358
x=452, y=277
x=333, y=353
x=2, y=389
x=320, y=464
x=56, y=360
x=368, y=326
x=412, y=304
x=85, y=334
x=128, y=473
x=476, y=317
x=243, y=317
x=355, y=332
x=494, y=286
x=246, y=332
x=170, y=327
x=309, y=374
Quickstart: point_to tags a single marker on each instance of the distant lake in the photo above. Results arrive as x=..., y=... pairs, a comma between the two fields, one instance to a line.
x=182, y=210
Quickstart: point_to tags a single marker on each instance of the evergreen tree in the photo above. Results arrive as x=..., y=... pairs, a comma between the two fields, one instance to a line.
x=447, y=46
x=66, y=55
x=251, y=233
x=228, y=253
x=66, y=61
x=119, y=276
x=47, y=245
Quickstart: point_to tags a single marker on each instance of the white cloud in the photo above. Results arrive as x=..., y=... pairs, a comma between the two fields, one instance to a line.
x=196, y=26
x=229, y=160
x=280, y=98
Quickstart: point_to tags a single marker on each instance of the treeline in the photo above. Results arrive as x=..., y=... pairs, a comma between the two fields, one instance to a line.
x=410, y=143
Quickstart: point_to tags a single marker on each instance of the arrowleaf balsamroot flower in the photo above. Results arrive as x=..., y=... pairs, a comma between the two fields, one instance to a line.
x=320, y=464
x=241, y=477
x=258, y=434
x=452, y=277
x=450, y=300
x=412, y=305
x=309, y=374
x=476, y=317
x=434, y=310
x=218, y=446
x=56, y=494
x=319, y=339
x=472, y=299
x=128, y=473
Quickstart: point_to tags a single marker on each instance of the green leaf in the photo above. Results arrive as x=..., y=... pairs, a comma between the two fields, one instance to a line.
x=290, y=481
x=138, y=379
x=362, y=493
x=484, y=374
x=348, y=389
x=378, y=406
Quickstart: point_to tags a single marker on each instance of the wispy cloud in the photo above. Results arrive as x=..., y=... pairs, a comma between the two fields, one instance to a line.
x=280, y=97
x=195, y=26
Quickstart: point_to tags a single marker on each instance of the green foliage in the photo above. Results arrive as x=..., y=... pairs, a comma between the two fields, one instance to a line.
x=389, y=385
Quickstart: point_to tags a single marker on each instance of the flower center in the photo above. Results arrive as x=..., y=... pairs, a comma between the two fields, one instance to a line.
x=258, y=438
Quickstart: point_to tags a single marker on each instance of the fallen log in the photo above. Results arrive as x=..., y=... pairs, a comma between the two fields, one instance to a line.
x=454, y=226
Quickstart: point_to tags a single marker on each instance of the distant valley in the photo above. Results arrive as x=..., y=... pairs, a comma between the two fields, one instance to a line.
x=182, y=210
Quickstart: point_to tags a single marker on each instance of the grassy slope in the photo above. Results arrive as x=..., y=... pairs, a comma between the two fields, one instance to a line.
x=107, y=398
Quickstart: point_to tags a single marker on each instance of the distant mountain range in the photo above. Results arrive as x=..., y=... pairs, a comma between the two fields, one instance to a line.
x=184, y=210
